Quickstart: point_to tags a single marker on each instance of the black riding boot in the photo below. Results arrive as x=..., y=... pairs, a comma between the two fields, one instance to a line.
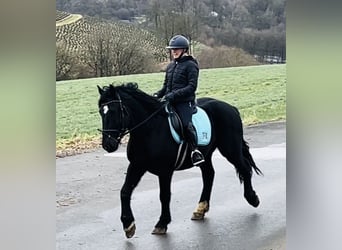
x=191, y=137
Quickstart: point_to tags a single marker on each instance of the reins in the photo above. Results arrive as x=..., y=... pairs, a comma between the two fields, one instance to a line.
x=124, y=131
x=146, y=120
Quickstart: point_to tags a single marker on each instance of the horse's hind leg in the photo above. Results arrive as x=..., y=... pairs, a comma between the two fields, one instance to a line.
x=208, y=174
x=237, y=152
x=164, y=196
x=133, y=177
x=249, y=194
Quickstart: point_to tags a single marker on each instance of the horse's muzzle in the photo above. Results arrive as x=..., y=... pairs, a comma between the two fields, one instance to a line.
x=109, y=145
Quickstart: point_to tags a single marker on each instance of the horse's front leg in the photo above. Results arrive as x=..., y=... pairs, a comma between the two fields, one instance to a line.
x=134, y=174
x=164, y=196
x=208, y=174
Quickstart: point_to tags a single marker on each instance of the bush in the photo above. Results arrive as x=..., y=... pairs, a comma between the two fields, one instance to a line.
x=222, y=56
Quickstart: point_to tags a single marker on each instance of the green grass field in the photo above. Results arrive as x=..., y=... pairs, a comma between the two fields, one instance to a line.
x=259, y=92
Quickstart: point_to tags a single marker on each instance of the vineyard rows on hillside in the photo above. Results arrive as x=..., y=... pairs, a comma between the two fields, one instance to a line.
x=60, y=15
x=88, y=35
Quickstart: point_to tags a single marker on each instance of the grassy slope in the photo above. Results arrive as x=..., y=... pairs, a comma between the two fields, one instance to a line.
x=259, y=92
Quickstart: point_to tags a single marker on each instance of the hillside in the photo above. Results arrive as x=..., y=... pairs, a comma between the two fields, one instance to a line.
x=92, y=47
x=93, y=43
x=256, y=26
x=77, y=31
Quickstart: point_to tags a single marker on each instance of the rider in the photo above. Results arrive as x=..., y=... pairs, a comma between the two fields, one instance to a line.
x=179, y=89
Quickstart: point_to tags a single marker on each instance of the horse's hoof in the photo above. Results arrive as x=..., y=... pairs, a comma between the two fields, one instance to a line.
x=253, y=200
x=197, y=216
x=159, y=231
x=130, y=231
x=256, y=202
x=200, y=211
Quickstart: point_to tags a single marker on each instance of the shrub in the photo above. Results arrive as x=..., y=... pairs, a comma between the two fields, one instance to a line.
x=222, y=56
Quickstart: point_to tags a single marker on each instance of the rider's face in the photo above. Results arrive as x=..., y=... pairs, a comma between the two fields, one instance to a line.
x=176, y=53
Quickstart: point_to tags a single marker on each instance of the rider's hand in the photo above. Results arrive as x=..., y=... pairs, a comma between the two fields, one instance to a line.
x=170, y=97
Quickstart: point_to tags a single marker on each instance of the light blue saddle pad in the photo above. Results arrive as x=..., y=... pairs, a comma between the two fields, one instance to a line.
x=201, y=122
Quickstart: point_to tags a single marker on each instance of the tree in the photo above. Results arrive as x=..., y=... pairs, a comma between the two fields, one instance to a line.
x=172, y=17
x=99, y=59
x=64, y=63
x=123, y=14
x=117, y=54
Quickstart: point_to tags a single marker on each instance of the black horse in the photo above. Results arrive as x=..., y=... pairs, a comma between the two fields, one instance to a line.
x=126, y=109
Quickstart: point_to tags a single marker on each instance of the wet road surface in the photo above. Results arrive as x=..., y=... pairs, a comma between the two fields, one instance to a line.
x=88, y=205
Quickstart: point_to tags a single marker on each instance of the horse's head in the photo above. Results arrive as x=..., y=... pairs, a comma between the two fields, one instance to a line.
x=114, y=117
x=124, y=109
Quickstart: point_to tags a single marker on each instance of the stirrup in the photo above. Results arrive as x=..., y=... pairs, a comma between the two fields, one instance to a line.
x=198, y=161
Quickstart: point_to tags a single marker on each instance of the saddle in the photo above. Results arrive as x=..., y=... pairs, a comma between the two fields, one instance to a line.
x=202, y=126
x=200, y=121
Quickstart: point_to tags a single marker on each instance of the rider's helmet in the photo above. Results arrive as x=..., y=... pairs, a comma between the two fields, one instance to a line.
x=178, y=42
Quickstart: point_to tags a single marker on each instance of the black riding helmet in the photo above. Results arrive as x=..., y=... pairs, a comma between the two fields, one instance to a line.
x=178, y=42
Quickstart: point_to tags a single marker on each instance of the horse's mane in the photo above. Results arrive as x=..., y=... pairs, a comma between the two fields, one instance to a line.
x=131, y=89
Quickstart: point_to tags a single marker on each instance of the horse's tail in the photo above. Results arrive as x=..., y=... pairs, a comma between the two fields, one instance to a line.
x=247, y=155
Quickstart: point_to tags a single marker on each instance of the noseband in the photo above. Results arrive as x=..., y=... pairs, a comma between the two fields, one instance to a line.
x=124, y=130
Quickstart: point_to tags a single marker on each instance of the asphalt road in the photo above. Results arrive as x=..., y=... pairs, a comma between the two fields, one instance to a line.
x=88, y=202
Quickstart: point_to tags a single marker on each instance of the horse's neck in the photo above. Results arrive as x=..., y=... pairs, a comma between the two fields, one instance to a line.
x=139, y=111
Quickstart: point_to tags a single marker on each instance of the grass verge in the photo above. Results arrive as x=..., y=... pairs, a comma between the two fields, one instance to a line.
x=259, y=92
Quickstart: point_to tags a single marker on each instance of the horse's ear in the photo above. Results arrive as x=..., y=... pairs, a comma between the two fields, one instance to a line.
x=100, y=89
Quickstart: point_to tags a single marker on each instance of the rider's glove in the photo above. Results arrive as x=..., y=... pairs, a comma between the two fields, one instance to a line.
x=170, y=97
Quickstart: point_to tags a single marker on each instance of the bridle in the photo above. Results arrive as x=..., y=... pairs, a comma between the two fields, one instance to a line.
x=124, y=130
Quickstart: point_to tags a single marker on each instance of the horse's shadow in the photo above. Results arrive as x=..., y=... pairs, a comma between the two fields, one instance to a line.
x=159, y=242
x=204, y=233
x=209, y=231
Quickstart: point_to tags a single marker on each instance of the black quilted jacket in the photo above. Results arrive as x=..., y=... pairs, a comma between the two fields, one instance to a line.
x=181, y=79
